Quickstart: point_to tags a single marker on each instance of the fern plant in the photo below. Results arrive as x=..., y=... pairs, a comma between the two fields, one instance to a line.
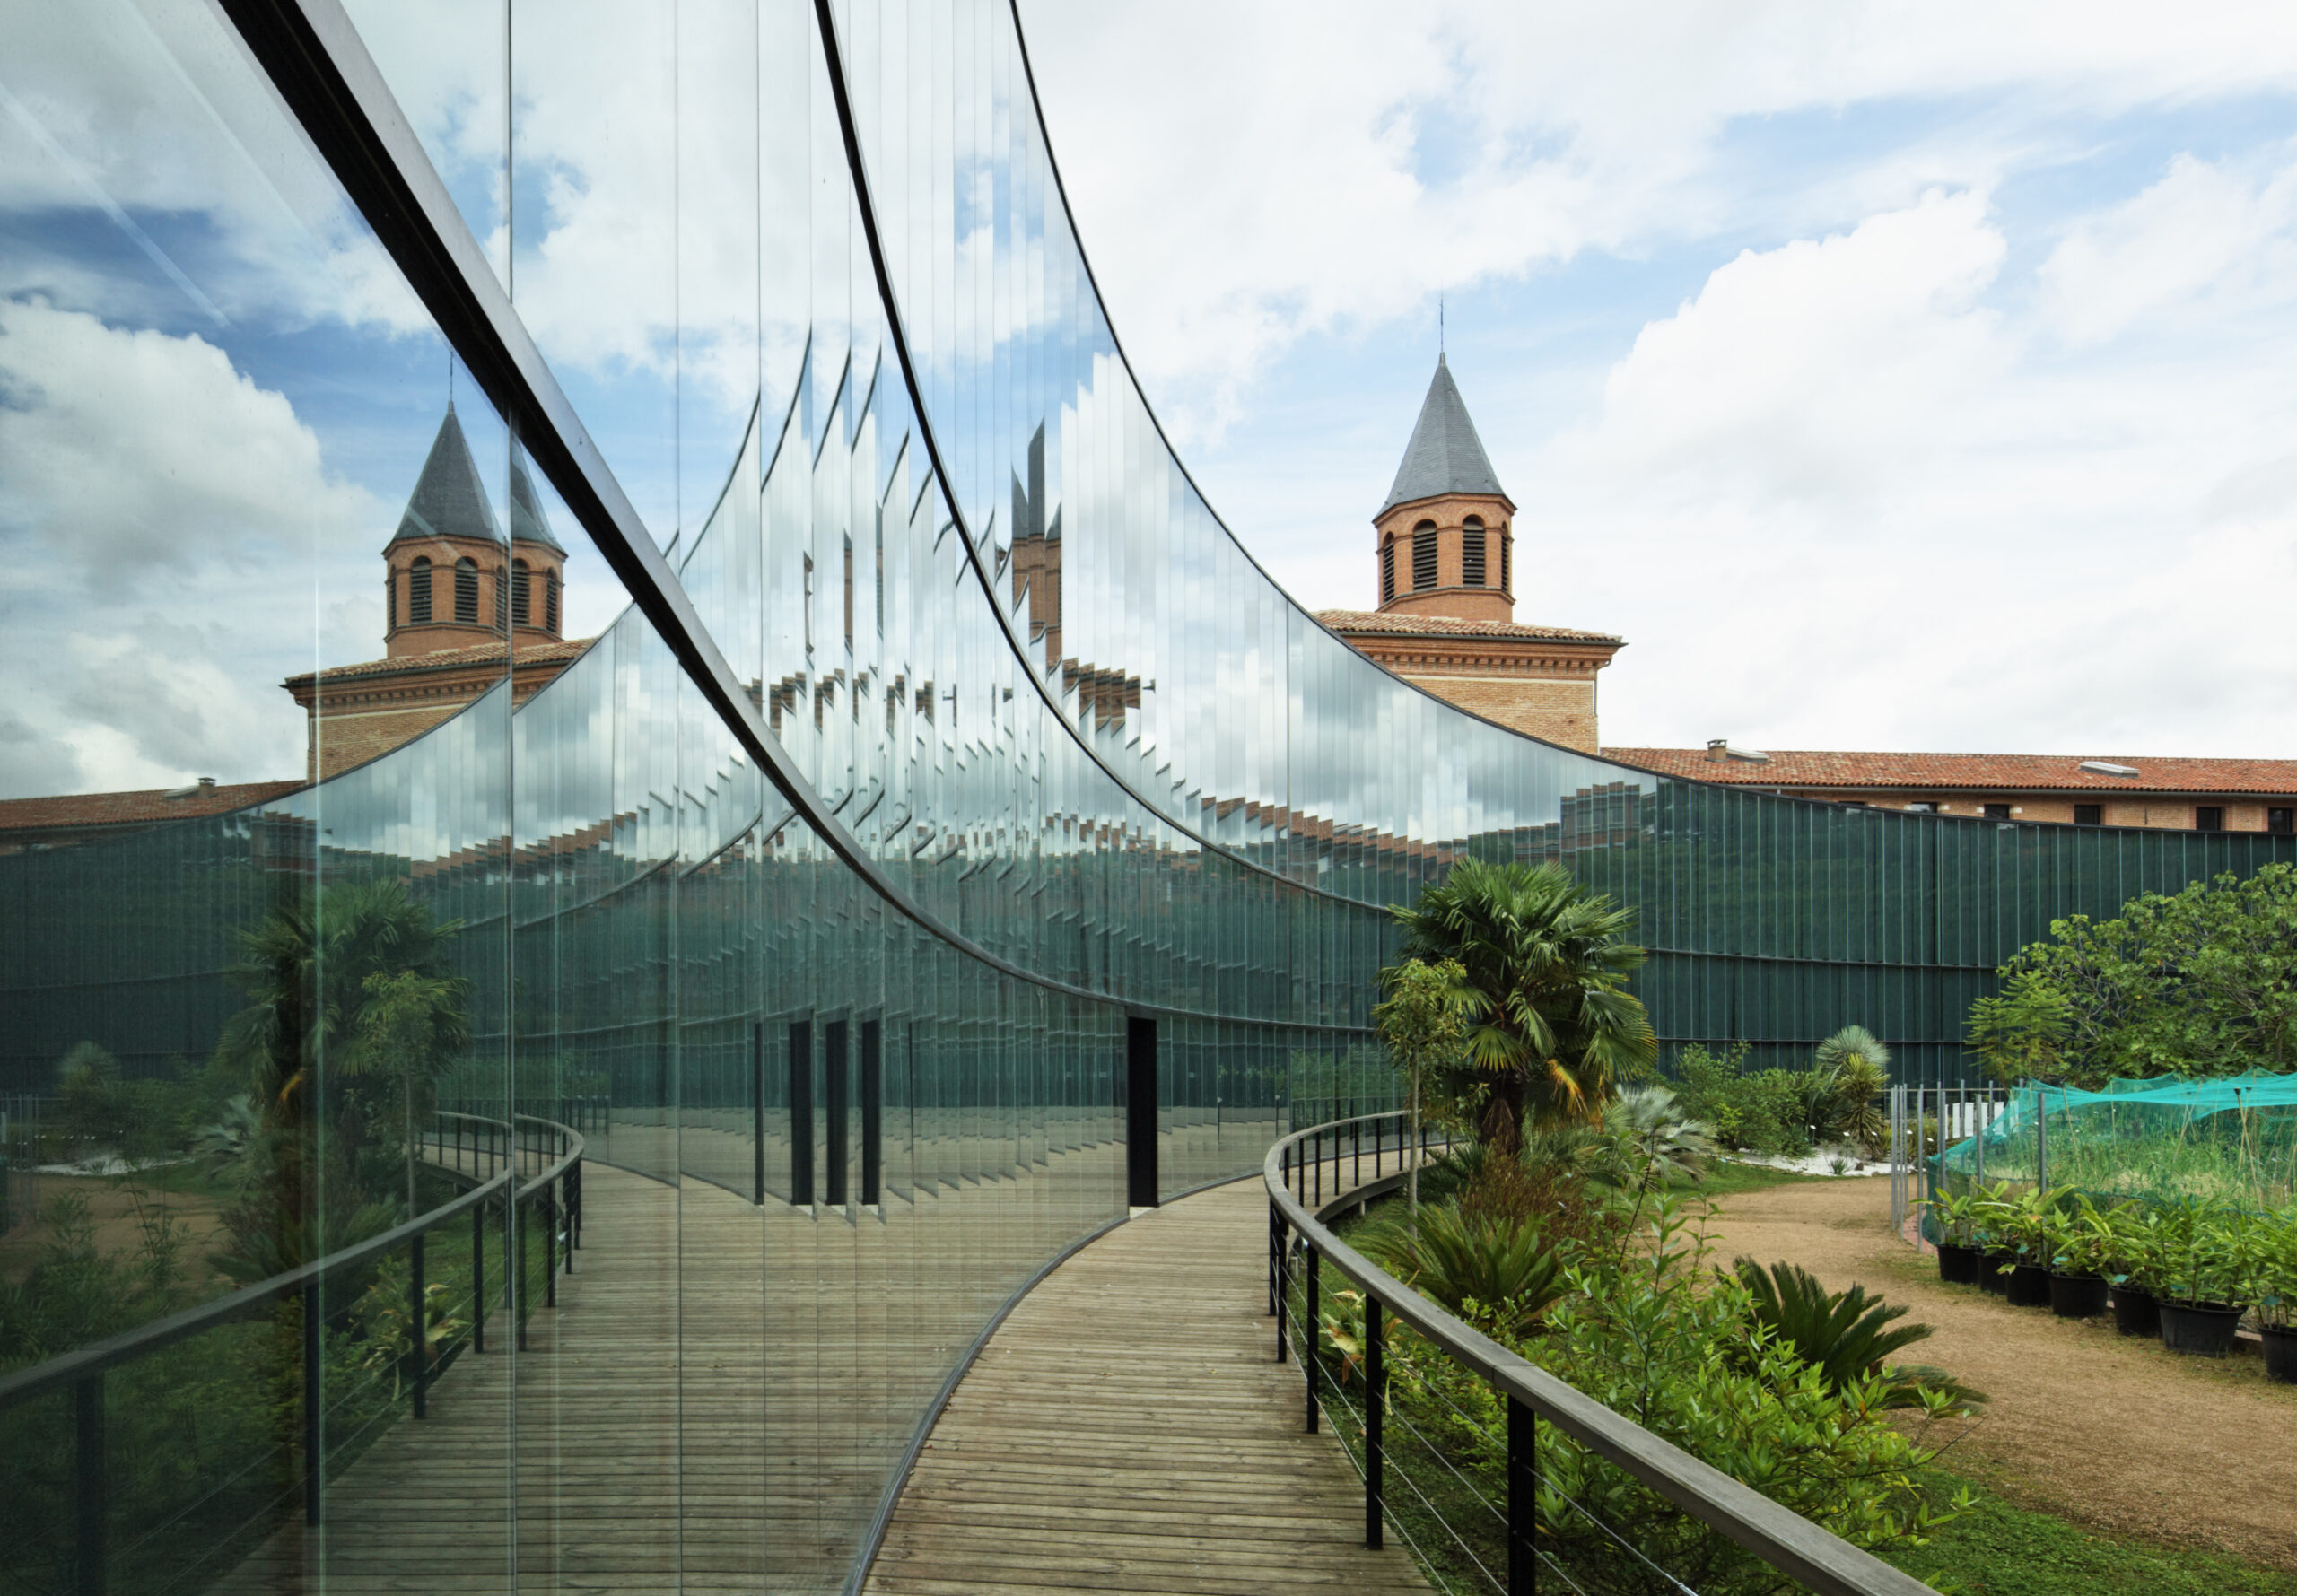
x=1846, y=1336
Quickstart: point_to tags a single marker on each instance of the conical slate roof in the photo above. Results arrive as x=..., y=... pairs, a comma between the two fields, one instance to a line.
x=1445, y=455
x=448, y=500
x=528, y=524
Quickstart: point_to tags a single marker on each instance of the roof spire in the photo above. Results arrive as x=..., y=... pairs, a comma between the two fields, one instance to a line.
x=1445, y=455
x=448, y=500
x=1439, y=329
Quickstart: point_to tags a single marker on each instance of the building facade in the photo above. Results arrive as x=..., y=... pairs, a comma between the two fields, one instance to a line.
x=955, y=841
x=2173, y=794
x=1445, y=556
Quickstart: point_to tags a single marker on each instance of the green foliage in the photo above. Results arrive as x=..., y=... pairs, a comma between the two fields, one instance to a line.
x=1545, y=968
x=1423, y=1022
x=77, y=1293
x=2202, y=983
x=1761, y=1111
x=1995, y=1548
x=1648, y=1334
x=1848, y=1074
x=1648, y=1142
x=1499, y=1277
x=1845, y=1335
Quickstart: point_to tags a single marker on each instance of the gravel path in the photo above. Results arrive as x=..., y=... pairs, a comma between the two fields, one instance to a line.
x=2107, y=1430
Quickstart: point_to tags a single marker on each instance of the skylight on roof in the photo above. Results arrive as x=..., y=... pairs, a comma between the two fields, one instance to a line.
x=2106, y=767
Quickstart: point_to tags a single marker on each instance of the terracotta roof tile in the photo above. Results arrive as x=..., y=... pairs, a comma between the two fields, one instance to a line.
x=1398, y=623
x=125, y=808
x=2021, y=773
x=529, y=653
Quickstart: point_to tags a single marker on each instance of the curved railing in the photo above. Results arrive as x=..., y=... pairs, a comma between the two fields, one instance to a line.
x=521, y=1165
x=1295, y=1173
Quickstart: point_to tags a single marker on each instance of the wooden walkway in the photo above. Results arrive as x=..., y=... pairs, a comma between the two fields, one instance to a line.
x=1127, y=1429
x=723, y=1390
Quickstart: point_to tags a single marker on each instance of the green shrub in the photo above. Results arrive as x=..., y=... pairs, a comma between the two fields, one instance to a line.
x=1845, y=1335
x=1760, y=1112
x=1499, y=1277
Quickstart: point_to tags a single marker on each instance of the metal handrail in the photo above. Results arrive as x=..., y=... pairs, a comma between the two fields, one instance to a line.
x=83, y=1369
x=1780, y=1536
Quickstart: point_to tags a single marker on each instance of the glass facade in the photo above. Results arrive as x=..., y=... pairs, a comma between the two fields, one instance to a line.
x=1040, y=825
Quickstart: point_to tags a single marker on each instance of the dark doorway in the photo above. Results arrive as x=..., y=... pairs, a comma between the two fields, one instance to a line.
x=801, y=1111
x=1140, y=1112
x=833, y=1076
x=873, y=1109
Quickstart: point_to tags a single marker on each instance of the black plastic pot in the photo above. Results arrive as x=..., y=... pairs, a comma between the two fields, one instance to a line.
x=1994, y=1272
x=2204, y=1329
x=2135, y=1312
x=2077, y=1296
x=2280, y=1352
x=1958, y=1264
x=2028, y=1286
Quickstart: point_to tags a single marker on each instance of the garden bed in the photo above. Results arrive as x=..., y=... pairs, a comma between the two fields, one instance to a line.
x=2112, y=1433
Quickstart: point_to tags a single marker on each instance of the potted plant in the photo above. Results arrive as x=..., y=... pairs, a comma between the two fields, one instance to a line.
x=2271, y=1284
x=1957, y=1221
x=2201, y=1269
x=1992, y=1213
x=2029, y=1224
x=2132, y=1264
x=2081, y=1251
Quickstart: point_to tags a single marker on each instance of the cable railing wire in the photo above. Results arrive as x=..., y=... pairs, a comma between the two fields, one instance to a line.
x=1804, y=1552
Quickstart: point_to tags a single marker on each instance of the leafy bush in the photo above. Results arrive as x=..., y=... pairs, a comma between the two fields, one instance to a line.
x=1760, y=1111
x=2199, y=984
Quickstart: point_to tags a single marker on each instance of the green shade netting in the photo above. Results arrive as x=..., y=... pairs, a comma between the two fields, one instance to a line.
x=2232, y=1141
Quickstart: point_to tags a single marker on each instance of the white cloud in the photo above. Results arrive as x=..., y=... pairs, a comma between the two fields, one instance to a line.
x=1317, y=166
x=139, y=457
x=1888, y=515
x=173, y=545
x=2203, y=233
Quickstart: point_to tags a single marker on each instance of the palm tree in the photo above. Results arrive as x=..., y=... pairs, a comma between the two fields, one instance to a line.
x=1546, y=983
x=355, y=982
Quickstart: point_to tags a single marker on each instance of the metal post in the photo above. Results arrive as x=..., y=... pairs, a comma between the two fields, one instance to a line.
x=2041, y=1140
x=549, y=1245
x=1375, y=1398
x=1319, y=1167
x=478, y=1278
x=417, y=1323
x=518, y=1268
x=1283, y=1283
x=1523, y=1499
x=314, y=1409
x=88, y=1424
x=1275, y=1240
x=1311, y=1300
x=1356, y=1131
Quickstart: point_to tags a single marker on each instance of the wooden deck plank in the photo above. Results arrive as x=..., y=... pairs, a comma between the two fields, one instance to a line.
x=1128, y=1430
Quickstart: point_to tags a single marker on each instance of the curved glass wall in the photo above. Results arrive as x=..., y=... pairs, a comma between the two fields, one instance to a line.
x=1065, y=794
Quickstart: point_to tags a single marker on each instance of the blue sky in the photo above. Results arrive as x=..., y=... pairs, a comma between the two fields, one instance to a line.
x=1890, y=377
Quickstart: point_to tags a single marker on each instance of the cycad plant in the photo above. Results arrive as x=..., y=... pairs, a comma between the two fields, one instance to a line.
x=1848, y=1073
x=1845, y=1335
x=1651, y=1142
x=1498, y=1276
x=1544, y=965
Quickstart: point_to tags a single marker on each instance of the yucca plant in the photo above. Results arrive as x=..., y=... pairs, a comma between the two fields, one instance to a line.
x=1848, y=1072
x=1847, y=1336
x=1497, y=1276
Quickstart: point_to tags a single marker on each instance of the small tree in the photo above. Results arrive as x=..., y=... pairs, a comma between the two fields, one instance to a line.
x=2021, y=1033
x=1546, y=964
x=1424, y=1021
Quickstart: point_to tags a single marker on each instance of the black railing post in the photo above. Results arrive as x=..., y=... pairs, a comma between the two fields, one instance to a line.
x=88, y=1426
x=549, y=1245
x=1283, y=1287
x=314, y=1409
x=418, y=1320
x=1320, y=1166
x=478, y=1278
x=1311, y=1301
x=518, y=1266
x=1275, y=1235
x=1375, y=1399
x=1355, y=1136
x=1523, y=1499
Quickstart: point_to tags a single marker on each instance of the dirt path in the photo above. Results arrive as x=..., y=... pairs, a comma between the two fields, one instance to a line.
x=2108, y=1431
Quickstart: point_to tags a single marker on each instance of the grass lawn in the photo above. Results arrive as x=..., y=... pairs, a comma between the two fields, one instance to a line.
x=1999, y=1549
